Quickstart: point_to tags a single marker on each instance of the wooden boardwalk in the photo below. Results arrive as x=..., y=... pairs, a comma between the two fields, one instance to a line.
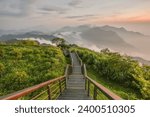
x=75, y=83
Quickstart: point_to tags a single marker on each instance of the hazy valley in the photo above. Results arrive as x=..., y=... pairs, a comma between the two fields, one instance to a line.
x=96, y=38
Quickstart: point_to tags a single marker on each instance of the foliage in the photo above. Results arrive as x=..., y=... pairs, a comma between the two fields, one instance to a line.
x=119, y=69
x=27, y=42
x=58, y=41
x=26, y=63
x=126, y=93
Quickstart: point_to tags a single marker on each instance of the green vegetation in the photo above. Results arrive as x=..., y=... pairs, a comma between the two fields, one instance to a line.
x=58, y=41
x=119, y=89
x=121, y=74
x=26, y=63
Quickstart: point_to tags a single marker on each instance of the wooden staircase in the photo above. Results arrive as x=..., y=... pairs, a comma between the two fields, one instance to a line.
x=75, y=84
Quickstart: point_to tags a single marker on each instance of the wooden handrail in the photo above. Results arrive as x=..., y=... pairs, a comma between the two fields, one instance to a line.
x=98, y=86
x=71, y=59
x=81, y=63
x=106, y=91
x=26, y=91
x=103, y=89
x=21, y=93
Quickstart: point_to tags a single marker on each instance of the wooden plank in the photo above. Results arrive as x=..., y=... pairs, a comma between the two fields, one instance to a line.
x=75, y=83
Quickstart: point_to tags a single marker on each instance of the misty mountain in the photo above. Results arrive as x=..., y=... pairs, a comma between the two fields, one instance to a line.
x=79, y=28
x=116, y=39
x=6, y=32
x=121, y=31
x=95, y=38
x=139, y=40
x=104, y=38
x=33, y=34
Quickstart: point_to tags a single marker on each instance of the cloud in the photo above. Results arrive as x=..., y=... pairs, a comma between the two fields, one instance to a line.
x=15, y=7
x=51, y=9
x=84, y=18
x=80, y=17
x=75, y=3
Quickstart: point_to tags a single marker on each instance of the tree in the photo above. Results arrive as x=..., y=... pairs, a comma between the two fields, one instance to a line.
x=58, y=41
x=106, y=50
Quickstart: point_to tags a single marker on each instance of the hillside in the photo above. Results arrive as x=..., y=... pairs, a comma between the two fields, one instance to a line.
x=27, y=64
x=119, y=73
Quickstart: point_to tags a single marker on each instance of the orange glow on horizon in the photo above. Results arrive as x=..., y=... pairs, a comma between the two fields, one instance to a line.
x=122, y=19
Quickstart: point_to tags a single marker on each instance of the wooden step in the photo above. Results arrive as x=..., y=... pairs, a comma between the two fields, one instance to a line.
x=74, y=94
x=75, y=83
x=74, y=98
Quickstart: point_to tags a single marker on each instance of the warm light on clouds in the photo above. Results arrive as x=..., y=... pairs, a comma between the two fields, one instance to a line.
x=137, y=19
x=57, y=13
x=121, y=20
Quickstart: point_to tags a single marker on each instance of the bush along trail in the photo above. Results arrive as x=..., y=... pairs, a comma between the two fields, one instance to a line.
x=119, y=70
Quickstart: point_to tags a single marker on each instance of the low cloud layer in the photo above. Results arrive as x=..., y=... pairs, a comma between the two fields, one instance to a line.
x=80, y=16
x=51, y=9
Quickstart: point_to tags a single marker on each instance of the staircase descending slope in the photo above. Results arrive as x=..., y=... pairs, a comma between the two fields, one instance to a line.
x=75, y=83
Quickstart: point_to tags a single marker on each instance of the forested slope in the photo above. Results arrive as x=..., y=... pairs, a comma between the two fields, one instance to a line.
x=26, y=63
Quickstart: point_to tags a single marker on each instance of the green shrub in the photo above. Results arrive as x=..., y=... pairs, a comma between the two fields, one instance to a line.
x=117, y=68
x=25, y=65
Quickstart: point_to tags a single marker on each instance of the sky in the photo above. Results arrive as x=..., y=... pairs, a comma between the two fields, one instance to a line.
x=53, y=14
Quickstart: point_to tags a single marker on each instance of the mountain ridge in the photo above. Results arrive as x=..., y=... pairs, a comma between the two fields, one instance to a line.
x=96, y=38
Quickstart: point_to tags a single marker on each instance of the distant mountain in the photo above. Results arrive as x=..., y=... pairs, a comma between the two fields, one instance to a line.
x=5, y=32
x=105, y=38
x=117, y=39
x=33, y=34
x=120, y=30
x=79, y=28
x=137, y=39
x=95, y=38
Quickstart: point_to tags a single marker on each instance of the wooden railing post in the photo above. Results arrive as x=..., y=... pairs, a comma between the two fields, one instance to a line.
x=65, y=83
x=66, y=76
x=85, y=82
x=49, y=92
x=60, y=88
x=71, y=59
x=81, y=63
x=88, y=90
x=70, y=70
x=85, y=72
x=95, y=93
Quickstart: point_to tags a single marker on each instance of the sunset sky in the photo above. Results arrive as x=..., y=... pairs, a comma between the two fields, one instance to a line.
x=53, y=14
